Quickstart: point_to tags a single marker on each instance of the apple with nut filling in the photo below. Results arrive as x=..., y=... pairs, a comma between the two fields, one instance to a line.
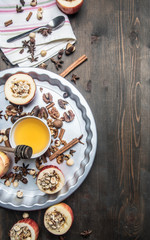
x=4, y=164
x=24, y=229
x=69, y=6
x=50, y=179
x=20, y=89
x=58, y=218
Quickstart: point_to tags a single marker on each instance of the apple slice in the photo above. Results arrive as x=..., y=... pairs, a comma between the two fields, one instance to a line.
x=50, y=179
x=24, y=229
x=69, y=6
x=20, y=88
x=58, y=218
x=4, y=164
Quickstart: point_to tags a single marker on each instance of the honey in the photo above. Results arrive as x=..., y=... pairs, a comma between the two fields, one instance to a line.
x=32, y=132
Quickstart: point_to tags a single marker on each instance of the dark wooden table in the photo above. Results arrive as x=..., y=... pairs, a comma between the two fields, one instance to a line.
x=114, y=200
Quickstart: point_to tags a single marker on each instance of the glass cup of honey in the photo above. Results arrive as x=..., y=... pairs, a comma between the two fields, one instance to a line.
x=31, y=131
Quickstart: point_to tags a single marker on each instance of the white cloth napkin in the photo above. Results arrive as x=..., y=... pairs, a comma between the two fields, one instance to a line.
x=52, y=43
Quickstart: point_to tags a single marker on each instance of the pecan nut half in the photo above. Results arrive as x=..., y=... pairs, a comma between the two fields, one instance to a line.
x=47, y=98
x=54, y=113
x=43, y=113
x=62, y=103
x=68, y=117
x=35, y=111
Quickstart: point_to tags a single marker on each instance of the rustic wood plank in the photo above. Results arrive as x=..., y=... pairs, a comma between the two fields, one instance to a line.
x=114, y=200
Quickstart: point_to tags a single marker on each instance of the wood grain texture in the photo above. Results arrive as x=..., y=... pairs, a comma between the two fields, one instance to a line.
x=114, y=200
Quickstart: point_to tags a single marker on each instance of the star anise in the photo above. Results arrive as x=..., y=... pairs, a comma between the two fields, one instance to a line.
x=86, y=233
x=1, y=114
x=25, y=44
x=74, y=78
x=19, y=9
x=24, y=169
x=58, y=64
x=45, y=31
x=72, y=152
x=60, y=53
x=31, y=50
x=22, y=2
x=33, y=59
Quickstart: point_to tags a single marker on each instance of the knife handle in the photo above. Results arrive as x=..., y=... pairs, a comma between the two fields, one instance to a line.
x=21, y=35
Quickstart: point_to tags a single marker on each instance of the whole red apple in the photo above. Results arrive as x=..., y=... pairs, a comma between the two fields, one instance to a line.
x=69, y=6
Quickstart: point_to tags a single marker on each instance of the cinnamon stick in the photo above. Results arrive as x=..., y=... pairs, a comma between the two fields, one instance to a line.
x=65, y=148
x=74, y=65
x=61, y=134
x=29, y=16
x=9, y=22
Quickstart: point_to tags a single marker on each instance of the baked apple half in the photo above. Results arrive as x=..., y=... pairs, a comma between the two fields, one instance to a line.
x=50, y=179
x=58, y=218
x=24, y=229
x=4, y=164
x=20, y=88
x=69, y=6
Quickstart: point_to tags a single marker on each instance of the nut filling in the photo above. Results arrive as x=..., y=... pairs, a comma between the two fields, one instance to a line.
x=18, y=233
x=49, y=181
x=55, y=220
x=20, y=89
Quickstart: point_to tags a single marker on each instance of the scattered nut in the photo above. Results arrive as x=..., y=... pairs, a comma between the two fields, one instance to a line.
x=57, y=123
x=43, y=113
x=32, y=35
x=68, y=117
x=43, y=53
x=6, y=117
x=43, y=65
x=3, y=131
x=35, y=111
x=14, y=119
x=33, y=3
x=62, y=103
x=25, y=215
x=47, y=97
x=32, y=172
x=53, y=112
x=19, y=194
x=7, y=183
x=57, y=143
x=40, y=13
x=70, y=48
x=5, y=138
x=70, y=162
x=67, y=157
x=15, y=184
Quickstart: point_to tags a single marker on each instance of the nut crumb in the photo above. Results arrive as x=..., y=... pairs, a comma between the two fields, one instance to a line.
x=7, y=183
x=70, y=162
x=25, y=215
x=15, y=183
x=43, y=53
x=19, y=194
